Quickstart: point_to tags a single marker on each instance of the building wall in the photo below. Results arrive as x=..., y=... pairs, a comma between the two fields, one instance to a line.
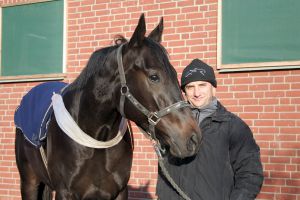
x=269, y=101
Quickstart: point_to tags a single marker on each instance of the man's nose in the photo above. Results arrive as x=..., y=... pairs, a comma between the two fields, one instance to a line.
x=196, y=92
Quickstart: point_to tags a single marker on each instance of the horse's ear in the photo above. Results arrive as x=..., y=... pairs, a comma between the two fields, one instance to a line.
x=139, y=33
x=156, y=34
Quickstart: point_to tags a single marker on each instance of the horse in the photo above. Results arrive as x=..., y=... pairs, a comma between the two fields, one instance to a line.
x=110, y=87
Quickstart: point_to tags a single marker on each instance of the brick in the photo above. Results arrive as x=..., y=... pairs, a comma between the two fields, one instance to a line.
x=292, y=182
x=280, y=86
x=265, y=138
x=4, y=193
x=276, y=94
x=235, y=88
x=286, y=108
x=271, y=189
x=259, y=95
x=285, y=123
x=188, y=6
x=292, y=79
x=292, y=115
x=199, y=48
x=290, y=145
x=290, y=190
x=210, y=14
x=274, y=182
x=290, y=130
x=293, y=93
x=241, y=95
x=291, y=168
x=267, y=80
x=285, y=101
x=283, y=160
x=296, y=160
x=285, y=197
x=268, y=116
x=87, y=26
x=268, y=101
x=264, y=122
x=286, y=137
x=257, y=87
x=295, y=175
x=84, y=8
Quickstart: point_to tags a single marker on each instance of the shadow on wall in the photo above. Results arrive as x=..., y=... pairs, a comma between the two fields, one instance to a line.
x=141, y=192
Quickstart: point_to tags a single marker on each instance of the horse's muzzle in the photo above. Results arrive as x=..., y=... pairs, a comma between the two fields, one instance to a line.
x=186, y=148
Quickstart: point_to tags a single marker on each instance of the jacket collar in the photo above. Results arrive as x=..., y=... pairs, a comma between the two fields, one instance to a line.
x=221, y=114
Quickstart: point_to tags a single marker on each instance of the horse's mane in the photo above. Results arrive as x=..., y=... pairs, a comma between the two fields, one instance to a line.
x=95, y=64
x=100, y=56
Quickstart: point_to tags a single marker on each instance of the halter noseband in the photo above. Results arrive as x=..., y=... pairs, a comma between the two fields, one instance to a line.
x=153, y=117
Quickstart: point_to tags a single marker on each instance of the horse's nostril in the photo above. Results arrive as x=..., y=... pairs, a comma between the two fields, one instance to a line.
x=192, y=143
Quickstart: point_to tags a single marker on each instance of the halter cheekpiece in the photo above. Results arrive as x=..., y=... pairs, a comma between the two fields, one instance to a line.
x=153, y=117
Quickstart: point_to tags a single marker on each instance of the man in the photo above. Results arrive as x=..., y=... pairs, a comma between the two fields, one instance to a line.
x=227, y=166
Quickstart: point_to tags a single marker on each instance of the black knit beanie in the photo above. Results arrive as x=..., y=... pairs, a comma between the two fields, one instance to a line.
x=198, y=71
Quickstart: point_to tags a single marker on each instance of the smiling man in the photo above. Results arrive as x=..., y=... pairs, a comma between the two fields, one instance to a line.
x=199, y=84
x=227, y=166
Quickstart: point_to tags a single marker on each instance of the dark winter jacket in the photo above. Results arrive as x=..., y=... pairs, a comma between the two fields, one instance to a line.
x=227, y=166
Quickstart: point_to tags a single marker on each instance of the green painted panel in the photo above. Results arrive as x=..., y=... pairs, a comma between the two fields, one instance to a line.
x=32, y=39
x=260, y=31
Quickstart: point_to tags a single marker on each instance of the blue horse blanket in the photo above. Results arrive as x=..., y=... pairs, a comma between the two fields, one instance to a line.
x=35, y=110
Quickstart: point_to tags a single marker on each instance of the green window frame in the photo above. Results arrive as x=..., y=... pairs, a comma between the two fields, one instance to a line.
x=258, y=35
x=33, y=39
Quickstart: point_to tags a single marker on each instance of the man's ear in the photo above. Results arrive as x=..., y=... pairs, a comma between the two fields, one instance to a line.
x=214, y=90
x=184, y=96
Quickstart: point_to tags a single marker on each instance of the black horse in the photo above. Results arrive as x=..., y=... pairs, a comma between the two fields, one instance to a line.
x=75, y=171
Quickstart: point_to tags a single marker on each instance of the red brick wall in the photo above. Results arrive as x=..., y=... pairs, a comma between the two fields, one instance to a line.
x=268, y=101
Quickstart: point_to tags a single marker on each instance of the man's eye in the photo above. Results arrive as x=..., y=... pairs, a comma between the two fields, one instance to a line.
x=154, y=78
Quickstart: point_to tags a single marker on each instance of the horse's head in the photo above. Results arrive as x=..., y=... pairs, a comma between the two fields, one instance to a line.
x=153, y=83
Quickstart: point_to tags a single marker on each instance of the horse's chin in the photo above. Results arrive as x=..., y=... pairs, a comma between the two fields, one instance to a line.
x=176, y=152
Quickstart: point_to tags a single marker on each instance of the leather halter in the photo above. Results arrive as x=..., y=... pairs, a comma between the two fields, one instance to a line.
x=153, y=117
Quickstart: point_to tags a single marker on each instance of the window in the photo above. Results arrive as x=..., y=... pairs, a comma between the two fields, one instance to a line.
x=258, y=34
x=32, y=39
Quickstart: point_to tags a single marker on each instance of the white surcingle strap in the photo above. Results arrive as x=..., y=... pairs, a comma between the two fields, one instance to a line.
x=70, y=127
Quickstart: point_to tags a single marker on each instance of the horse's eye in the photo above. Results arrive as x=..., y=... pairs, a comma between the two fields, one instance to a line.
x=154, y=78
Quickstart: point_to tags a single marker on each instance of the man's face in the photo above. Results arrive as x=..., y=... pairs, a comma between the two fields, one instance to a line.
x=199, y=93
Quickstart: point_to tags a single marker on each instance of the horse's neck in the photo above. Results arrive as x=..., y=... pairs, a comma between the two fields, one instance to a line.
x=92, y=98
x=96, y=116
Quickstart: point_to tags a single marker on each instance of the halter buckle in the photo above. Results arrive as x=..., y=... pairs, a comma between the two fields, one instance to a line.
x=124, y=89
x=153, y=119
